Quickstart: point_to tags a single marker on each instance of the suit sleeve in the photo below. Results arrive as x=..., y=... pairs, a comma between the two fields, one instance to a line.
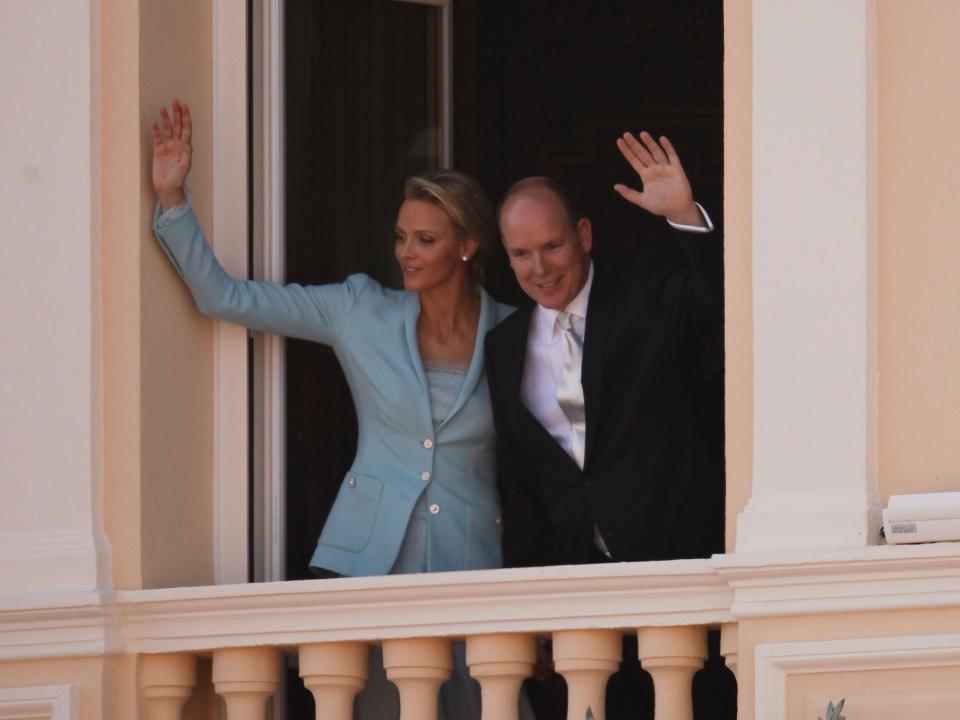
x=527, y=535
x=313, y=312
x=687, y=286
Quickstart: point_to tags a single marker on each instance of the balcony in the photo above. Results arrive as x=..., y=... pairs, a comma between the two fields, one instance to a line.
x=330, y=624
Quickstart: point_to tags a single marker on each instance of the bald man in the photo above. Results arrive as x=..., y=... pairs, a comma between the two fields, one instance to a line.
x=596, y=383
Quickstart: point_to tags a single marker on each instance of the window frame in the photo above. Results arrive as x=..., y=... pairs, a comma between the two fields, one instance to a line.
x=249, y=385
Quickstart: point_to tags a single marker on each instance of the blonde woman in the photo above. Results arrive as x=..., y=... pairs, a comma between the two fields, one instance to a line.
x=421, y=494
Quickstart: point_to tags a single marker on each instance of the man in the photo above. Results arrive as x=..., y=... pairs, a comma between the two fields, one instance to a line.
x=596, y=385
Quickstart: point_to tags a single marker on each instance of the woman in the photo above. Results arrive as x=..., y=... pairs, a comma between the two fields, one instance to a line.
x=421, y=494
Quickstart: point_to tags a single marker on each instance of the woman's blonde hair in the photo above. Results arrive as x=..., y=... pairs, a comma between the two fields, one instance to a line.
x=467, y=206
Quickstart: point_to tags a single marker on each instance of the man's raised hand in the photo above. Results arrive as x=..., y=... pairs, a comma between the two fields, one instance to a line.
x=666, y=190
x=171, y=154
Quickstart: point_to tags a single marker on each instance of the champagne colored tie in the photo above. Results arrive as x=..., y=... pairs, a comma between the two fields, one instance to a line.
x=570, y=399
x=570, y=389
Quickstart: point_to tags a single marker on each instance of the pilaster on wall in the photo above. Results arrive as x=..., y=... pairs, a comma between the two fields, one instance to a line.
x=177, y=383
x=52, y=536
x=814, y=277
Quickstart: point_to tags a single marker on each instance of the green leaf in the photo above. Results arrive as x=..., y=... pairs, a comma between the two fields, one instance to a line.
x=833, y=711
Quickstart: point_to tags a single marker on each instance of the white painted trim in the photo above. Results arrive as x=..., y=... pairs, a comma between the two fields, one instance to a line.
x=814, y=295
x=270, y=472
x=230, y=237
x=101, y=543
x=53, y=702
x=775, y=662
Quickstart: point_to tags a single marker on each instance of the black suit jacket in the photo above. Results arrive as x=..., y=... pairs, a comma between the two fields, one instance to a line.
x=651, y=482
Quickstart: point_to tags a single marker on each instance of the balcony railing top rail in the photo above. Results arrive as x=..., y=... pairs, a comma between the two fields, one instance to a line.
x=532, y=600
x=455, y=604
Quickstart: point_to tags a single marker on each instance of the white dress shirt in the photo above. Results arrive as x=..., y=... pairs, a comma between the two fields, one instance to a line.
x=544, y=365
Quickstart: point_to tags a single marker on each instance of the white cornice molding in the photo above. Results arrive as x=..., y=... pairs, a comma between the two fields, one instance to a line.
x=726, y=588
x=860, y=580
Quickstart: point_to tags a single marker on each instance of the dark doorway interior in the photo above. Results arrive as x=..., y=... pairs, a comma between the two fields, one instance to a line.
x=540, y=87
x=360, y=116
x=545, y=87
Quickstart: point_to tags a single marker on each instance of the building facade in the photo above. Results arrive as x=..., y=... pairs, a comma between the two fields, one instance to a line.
x=126, y=511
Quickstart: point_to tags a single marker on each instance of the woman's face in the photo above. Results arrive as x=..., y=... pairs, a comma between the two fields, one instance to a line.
x=427, y=247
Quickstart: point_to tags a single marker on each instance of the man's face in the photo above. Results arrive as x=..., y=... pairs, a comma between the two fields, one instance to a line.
x=550, y=258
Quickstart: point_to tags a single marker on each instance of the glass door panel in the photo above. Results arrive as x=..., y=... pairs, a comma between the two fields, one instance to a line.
x=363, y=111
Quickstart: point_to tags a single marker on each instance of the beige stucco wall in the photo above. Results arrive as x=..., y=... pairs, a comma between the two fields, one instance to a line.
x=919, y=336
x=929, y=692
x=158, y=351
x=176, y=54
x=919, y=113
x=919, y=297
x=805, y=628
x=737, y=148
x=121, y=194
x=106, y=687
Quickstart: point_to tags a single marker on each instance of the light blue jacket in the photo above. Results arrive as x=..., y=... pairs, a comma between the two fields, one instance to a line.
x=373, y=331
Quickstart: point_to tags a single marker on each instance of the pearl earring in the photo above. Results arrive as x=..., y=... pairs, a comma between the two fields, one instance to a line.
x=465, y=258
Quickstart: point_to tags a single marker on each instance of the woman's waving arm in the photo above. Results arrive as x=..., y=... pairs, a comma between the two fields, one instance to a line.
x=315, y=312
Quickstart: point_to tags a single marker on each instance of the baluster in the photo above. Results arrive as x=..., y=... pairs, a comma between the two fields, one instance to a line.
x=167, y=681
x=586, y=659
x=418, y=667
x=500, y=663
x=246, y=678
x=729, y=643
x=334, y=672
x=672, y=655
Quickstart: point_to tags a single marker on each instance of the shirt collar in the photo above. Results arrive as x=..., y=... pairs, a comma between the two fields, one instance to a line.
x=547, y=318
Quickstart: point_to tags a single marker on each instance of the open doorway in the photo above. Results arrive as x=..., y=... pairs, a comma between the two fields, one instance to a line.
x=538, y=87
x=532, y=87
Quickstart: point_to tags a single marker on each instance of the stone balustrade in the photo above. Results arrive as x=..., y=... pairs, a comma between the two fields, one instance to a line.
x=330, y=625
x=334, y=672
x=327, y=627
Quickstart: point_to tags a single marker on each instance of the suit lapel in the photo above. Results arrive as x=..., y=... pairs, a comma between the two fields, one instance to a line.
x=517, y=349
x=599, y=313
x=488, y=318
x=411, y=314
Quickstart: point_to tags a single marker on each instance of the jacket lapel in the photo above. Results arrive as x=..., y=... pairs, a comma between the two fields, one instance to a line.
x=599, y=313
x=488, y=318
x=411, y=313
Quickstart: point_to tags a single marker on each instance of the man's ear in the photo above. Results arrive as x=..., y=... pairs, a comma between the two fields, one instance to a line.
x=585, y=234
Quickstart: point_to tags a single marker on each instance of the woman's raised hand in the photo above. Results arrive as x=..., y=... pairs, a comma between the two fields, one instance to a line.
x=171, y=154
x=666, y=190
